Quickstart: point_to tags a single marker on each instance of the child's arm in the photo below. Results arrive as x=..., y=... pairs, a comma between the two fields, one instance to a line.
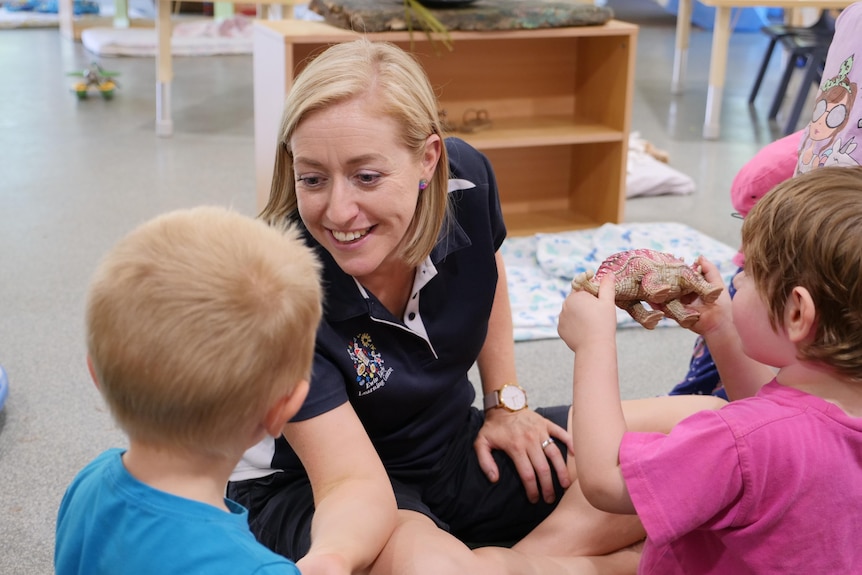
x=741, y=375
x=588, y=326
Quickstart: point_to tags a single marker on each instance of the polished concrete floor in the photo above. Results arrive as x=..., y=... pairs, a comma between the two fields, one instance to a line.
x=75, y=176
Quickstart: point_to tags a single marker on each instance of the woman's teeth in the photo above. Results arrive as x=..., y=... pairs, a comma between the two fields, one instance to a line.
x=348, y=236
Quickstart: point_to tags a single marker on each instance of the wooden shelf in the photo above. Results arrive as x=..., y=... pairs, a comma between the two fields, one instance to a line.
x=559, y=100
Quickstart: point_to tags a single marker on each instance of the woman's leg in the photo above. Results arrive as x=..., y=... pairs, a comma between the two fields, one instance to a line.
x=419, y=547
x=577, y=528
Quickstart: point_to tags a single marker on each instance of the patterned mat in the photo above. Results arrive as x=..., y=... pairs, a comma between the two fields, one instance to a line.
x=540, y=268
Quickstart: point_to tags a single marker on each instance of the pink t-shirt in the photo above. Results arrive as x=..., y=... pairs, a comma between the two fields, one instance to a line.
x=769, y=484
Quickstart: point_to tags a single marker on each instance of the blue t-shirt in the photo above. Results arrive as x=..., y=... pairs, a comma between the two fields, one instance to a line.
x=111, y=523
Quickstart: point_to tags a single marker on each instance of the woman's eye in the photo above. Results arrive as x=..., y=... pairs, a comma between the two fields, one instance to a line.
x=308, y=180
x=368, y=178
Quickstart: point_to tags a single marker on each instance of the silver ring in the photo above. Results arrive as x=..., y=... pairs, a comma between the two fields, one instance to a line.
x=547, y=442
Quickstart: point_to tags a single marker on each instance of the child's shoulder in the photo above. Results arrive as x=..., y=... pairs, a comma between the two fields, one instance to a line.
x=107, y=462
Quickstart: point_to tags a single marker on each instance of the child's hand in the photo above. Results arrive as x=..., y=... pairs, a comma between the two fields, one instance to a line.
x=713, y=315
x=586, y=319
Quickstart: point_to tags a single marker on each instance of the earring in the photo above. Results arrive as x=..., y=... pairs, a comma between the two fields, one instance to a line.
x=423, y=183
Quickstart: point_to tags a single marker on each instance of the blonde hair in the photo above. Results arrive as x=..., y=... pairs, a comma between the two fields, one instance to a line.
x=197, y=321
x=402, y=91
x=806, y=232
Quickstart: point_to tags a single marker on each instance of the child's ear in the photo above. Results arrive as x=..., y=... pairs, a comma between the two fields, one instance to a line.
x=285, y=408
x=92, y=370
x=800, y=315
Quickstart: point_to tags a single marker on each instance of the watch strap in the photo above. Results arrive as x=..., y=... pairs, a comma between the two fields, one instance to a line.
x=492, y=399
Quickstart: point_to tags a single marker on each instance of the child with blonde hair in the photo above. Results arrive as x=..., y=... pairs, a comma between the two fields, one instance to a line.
x=766, y=483
x=200, y=334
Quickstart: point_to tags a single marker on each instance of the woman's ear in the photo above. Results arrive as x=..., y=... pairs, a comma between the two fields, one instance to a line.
x=800, y=315
x=431, y=155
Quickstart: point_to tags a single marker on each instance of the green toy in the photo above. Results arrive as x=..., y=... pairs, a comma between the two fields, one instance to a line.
x=95, y=77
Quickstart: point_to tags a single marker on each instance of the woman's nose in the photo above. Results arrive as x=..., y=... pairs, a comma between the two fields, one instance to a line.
x=343, y=203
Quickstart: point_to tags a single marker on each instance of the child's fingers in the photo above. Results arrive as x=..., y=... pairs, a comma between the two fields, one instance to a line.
x=607, y=287
x=710, y=271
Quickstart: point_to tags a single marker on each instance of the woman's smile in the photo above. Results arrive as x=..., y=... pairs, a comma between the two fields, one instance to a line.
x=350, y=236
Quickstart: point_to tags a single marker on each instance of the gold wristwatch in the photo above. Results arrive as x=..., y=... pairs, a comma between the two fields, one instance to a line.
x=511, y=397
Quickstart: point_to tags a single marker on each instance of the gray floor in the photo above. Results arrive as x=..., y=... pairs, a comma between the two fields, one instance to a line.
x=75, y=176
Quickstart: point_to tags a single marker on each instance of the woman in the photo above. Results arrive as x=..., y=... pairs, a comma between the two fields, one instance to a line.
x=408, y=227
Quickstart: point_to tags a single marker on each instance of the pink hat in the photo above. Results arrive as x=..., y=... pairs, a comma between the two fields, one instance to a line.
x=773, y=164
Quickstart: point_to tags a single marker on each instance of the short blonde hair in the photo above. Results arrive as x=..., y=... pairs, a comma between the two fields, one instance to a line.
x=402, y=91
x=808, y=232
x=197, y=321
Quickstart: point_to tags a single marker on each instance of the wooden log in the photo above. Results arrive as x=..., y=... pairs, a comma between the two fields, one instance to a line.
x=390, y=15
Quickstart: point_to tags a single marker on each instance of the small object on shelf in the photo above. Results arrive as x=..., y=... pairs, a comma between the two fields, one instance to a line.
x=445, y=123
x=657, y=278
x=475, y=121
x=95, y=77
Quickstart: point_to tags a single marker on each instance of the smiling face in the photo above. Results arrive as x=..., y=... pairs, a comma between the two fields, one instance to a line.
x=830, y=114
x=357, y=185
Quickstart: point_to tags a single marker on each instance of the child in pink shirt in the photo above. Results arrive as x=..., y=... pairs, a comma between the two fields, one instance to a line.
x=773, y=164
x=769, y=483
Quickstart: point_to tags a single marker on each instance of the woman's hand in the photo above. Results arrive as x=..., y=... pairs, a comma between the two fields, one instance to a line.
x=520, y=435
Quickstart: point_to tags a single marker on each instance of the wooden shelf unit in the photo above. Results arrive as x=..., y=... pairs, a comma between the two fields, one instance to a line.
x=559, y=100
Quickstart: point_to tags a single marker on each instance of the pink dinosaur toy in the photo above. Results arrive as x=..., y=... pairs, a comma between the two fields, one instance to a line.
x=657, y=278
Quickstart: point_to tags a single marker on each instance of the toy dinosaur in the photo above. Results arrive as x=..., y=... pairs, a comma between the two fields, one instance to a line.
x=657, y=278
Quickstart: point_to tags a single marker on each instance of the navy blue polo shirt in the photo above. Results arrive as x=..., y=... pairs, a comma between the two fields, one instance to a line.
x=407, y=377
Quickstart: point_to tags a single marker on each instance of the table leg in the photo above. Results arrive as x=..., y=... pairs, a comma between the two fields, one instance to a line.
x=717, y=71
x=121, y=14
x=680, y=53
x=223, y=10
x=66, y=15
x=164, y=69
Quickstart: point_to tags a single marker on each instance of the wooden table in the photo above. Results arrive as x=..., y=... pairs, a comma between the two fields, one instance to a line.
x=720, y=40
x=164, y=63
x=164, y=29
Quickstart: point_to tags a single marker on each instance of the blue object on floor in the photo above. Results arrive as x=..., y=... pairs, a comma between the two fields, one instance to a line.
x=20, y=5
x=79, y=7
x=744, y=19
x=4, y=387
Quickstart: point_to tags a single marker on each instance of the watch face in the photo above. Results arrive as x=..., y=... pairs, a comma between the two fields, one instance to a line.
x=513, y=397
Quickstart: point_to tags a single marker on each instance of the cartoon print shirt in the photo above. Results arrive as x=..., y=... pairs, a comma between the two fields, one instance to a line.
x=832, y=137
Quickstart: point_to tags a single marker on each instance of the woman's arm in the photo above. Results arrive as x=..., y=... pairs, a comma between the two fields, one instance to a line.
x=519, y=434
x=355, y=509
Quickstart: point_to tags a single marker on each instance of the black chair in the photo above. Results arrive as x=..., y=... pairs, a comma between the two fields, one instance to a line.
x=824, y=27
x=811, y=51
x=813, y=74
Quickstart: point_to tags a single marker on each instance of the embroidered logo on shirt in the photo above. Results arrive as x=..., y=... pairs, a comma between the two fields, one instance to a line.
x=370, y=372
